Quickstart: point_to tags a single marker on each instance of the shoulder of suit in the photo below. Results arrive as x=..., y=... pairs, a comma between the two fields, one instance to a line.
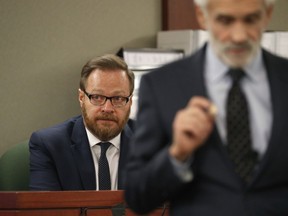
x=67, y=125
x=271, y=56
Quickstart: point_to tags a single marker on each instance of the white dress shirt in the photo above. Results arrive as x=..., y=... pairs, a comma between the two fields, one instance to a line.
x=255, y=86
x=113, y=154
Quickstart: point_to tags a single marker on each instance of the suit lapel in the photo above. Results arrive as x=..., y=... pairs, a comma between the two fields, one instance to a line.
x=278, y=79
x=197, y=73
x=192, y=74
x=189, y=90
x=82, y=155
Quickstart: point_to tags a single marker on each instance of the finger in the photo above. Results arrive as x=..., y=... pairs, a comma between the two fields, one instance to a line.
x=204, y=104
x=212, y=110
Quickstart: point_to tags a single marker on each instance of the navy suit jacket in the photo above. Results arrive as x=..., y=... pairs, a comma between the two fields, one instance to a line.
x=215, y=189
x=61, y=159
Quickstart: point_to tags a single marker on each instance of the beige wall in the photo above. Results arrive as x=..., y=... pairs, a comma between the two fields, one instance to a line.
x=43, y=45
x=279, y=20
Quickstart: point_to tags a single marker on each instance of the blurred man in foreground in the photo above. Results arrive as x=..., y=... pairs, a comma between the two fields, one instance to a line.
x=230, y=162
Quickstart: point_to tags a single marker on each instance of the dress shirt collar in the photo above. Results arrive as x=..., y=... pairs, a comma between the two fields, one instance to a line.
x=212, y=62
x=93, y=140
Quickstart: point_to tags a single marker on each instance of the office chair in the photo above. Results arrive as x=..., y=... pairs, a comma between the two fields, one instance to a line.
x=14, y=168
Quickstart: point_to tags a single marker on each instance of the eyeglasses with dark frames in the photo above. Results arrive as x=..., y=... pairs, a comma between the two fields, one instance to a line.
x=99, y=100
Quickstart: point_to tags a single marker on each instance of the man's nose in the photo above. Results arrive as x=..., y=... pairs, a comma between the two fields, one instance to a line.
x=239, y=33
x=107, y=106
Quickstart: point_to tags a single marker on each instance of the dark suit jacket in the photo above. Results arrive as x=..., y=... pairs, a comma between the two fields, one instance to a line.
x=61, y=159
x=215, y=189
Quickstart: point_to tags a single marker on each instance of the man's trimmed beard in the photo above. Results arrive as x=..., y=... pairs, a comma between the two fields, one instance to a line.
x=104, y=132
x=235, y=61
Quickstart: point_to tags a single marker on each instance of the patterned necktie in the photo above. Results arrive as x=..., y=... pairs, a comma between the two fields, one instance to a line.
x=238, y=129
x=104, y=172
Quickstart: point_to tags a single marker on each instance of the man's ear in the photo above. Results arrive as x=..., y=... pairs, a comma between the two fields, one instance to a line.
x=131, y=99
x=200, y=17
x=81, y=96
x=269, y=12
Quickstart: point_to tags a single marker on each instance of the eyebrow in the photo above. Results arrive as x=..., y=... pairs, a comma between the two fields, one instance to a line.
x=254, y=13
x=116, y=93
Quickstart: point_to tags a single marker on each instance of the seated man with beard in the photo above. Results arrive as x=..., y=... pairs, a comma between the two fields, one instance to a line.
x=67, y=156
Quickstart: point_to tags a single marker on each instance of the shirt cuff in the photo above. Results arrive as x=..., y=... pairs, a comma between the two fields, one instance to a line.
x=183, y=169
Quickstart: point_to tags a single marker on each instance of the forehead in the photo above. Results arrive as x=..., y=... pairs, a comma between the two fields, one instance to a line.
x=108, y=81
x=235, y=7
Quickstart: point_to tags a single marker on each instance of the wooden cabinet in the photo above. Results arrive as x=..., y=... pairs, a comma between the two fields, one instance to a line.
x=179, y=15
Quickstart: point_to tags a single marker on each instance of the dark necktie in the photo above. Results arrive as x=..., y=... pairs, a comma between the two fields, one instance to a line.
x=239, y=142
x=104, y=171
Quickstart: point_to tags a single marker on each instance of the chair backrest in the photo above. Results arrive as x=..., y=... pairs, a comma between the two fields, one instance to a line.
x=14, y=168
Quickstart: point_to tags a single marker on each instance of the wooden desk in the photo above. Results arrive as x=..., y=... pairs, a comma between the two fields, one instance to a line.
x=62, y=203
